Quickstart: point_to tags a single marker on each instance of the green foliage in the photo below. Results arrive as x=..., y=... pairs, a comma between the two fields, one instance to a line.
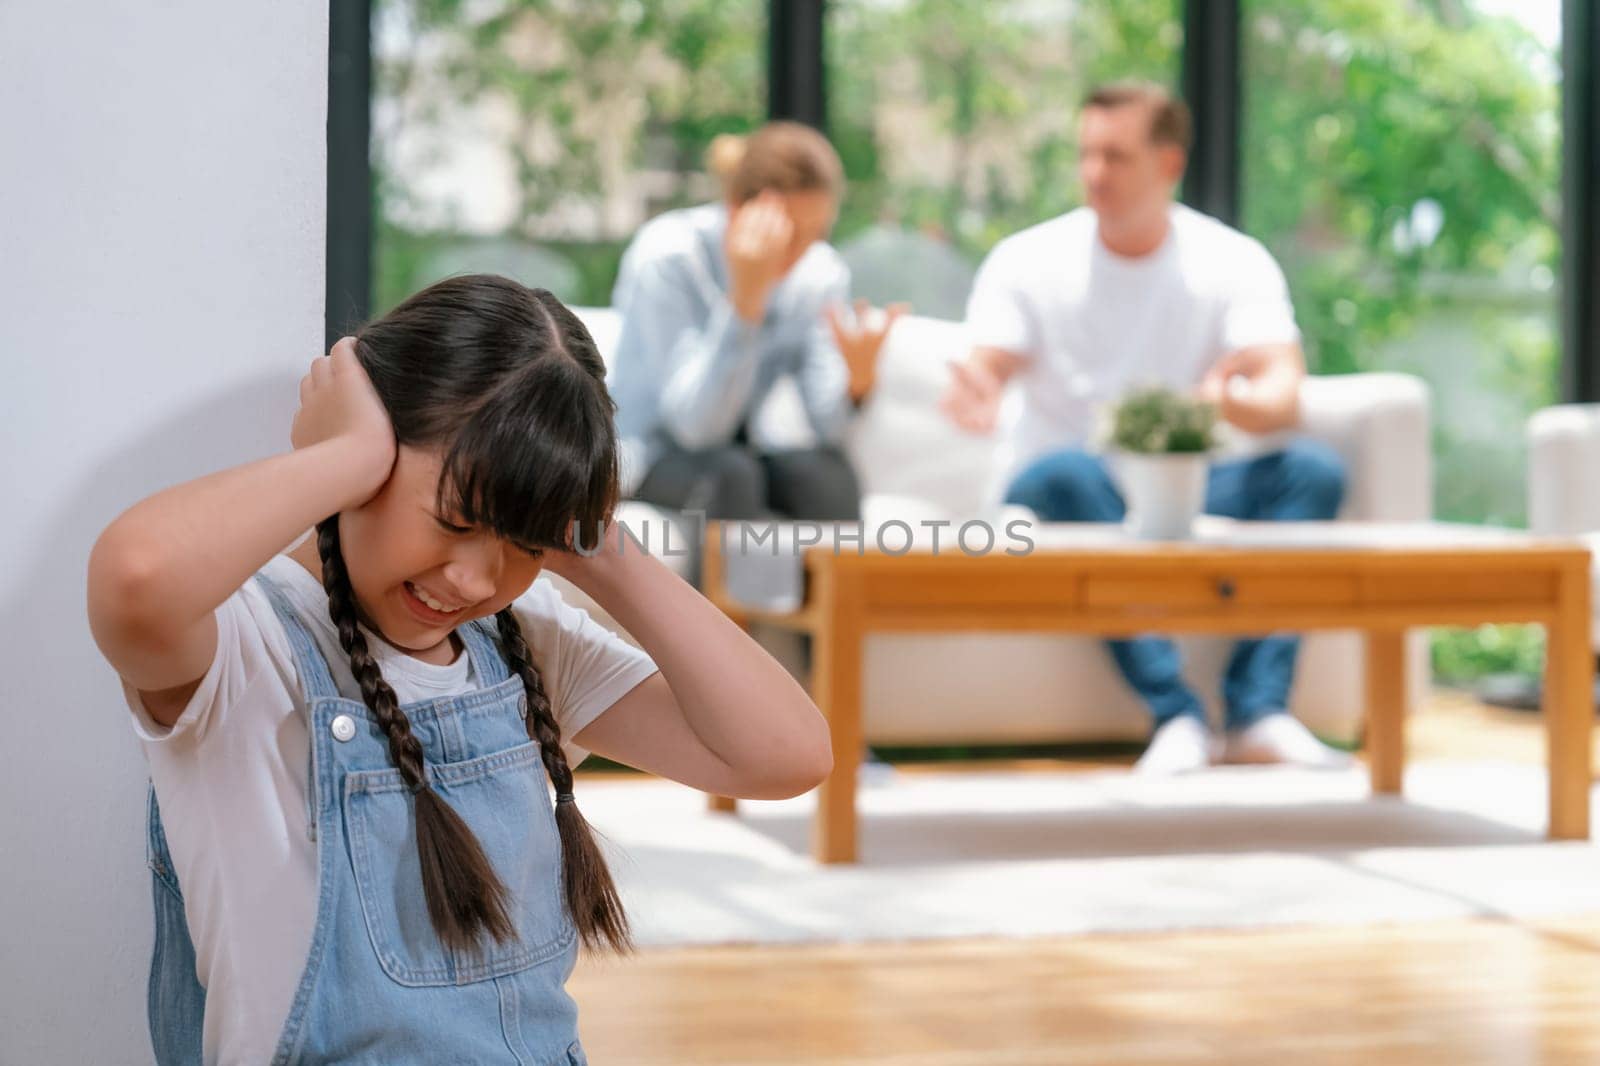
x=403, y=260
x=591, y=93
x=1400, y=159
x=1463, y=655
x=1159, y=421
x=1001, y=82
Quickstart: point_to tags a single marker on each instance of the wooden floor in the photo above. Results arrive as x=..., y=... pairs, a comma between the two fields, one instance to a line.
x=1451, y=994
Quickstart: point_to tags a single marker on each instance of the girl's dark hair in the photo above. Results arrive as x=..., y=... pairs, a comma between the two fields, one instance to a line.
x=507, y=384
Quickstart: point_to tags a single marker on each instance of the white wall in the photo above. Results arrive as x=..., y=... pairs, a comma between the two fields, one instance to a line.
x=161, y=281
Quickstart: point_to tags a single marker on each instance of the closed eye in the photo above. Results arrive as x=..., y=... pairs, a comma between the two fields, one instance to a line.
x=451, y=528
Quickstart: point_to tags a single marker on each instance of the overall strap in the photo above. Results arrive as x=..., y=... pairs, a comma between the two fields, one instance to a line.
x=308, y=658
x=481, y=638
x=314, y=675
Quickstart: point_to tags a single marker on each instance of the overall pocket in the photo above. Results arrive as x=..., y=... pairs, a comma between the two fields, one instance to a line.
x=504, y=798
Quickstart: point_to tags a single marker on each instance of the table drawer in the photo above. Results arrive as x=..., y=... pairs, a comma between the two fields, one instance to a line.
x=1221, y=590
x=979, y=588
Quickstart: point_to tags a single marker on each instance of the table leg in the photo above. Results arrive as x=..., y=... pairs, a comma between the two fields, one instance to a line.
x=836, y=686
x=1386, y=710
x=712, y=570
x=1569, y=707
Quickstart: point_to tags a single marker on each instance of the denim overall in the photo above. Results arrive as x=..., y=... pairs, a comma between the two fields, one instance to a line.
x=378, y=986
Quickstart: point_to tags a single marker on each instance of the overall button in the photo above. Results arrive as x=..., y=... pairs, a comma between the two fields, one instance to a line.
x=343, y=727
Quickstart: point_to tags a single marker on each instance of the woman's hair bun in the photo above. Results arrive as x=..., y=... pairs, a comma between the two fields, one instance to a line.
x=724, y=155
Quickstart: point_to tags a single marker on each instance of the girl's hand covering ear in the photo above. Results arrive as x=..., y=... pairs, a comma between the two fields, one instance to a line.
x=338, y=401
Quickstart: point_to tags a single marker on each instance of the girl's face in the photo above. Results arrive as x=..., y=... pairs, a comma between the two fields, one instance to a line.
x=419, y=574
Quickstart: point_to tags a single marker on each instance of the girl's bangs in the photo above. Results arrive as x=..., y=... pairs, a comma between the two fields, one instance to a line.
x=524, y=468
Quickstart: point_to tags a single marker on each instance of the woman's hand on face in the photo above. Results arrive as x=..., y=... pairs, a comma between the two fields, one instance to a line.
x=757, y=247
x=861, y=338
x=339, y=403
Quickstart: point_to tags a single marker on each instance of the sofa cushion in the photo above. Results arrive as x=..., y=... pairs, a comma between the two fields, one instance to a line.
x=604, y=325
x=902, y=444
x=1563, y=453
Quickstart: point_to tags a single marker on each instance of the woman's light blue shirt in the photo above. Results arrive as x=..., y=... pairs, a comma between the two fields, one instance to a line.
x=688, y=371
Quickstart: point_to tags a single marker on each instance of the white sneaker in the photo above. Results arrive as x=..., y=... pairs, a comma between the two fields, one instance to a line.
x=1280, y=738
x=1178, y=747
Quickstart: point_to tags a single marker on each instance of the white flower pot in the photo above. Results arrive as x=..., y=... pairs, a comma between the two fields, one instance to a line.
x=1164, y=493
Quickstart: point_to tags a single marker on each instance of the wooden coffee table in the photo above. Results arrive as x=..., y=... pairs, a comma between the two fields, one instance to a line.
x=1380, y=579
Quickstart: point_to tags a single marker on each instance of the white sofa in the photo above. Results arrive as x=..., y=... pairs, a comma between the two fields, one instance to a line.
x=1564, y=479
x=969, y=688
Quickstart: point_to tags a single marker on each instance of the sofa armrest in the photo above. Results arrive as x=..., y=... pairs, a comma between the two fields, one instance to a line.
x=1379, y=424
x=1563, y=458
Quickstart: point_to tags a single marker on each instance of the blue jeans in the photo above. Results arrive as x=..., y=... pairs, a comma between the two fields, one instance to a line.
x=1304, y=482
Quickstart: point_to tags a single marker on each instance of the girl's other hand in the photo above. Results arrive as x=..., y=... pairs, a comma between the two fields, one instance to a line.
x=339, y=403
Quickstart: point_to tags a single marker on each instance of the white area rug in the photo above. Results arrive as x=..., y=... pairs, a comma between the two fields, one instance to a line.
x=1028, y=854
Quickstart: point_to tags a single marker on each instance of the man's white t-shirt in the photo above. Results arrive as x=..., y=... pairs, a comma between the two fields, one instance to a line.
x=231, y=775
x=1093, y=324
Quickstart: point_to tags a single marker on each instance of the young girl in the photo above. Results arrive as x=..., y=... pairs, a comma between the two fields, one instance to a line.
x=356, y=853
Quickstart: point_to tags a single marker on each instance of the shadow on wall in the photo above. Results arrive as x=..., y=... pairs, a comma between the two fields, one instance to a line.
x=74, y=790
x=247, y=421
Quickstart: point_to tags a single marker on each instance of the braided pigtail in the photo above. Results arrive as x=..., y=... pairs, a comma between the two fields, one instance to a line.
x=592, y=897
x=464, y=895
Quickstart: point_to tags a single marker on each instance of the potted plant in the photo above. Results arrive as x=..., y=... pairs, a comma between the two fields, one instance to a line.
x=1161, y=443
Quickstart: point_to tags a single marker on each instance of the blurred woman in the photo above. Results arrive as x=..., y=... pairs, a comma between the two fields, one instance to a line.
x=719, y=302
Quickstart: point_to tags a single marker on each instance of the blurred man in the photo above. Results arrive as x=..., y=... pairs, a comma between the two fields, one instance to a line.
x=1134, y=289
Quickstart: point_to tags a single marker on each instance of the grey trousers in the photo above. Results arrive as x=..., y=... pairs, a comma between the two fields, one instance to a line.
x=736, y=483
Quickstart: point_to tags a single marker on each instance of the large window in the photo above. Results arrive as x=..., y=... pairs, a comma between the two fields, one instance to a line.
x=1401, y=160
x=956, y=122
x=532, y=137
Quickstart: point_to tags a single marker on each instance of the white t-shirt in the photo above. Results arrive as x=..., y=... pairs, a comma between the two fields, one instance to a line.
x=231, y=778
x=1093, y=324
